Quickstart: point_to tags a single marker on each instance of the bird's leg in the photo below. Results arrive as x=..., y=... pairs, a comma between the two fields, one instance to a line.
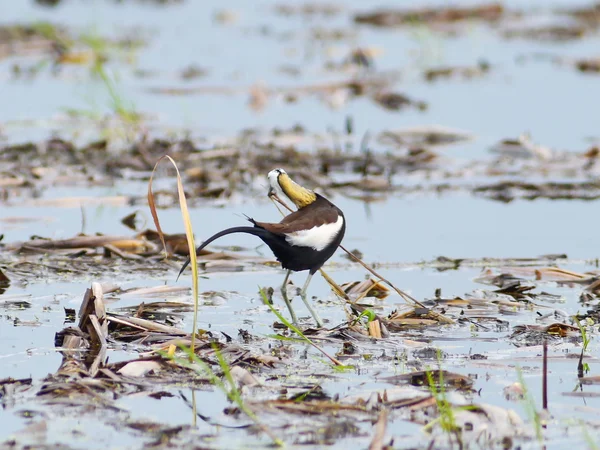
x=307, y=303
x=286, y=299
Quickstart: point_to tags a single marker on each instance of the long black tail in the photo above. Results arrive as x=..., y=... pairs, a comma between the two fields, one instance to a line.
x=260, y=232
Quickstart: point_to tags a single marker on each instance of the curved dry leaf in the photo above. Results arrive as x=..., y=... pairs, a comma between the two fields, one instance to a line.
x=556, y=274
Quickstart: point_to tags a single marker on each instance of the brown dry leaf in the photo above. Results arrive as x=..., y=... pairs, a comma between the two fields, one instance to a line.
x=146, y=325
x=416, y=317
x=175, y=243
x=358, y=329
x=375, y=329
x=562, y=330
x=111, y=249
x=403, y=324
x=556, y=274
x=358, y=290
x=130, y=245
x=510, y=276
x=529, y=335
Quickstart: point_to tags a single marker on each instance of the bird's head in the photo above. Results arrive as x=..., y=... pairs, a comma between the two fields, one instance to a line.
x=280, y=184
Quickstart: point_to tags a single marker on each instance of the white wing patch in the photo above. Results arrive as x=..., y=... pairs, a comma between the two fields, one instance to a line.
x=317, y=237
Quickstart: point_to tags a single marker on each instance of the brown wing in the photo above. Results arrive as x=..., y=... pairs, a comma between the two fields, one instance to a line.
x=303, y=219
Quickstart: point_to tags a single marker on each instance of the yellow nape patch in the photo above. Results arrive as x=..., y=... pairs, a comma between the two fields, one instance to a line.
x=299, y=195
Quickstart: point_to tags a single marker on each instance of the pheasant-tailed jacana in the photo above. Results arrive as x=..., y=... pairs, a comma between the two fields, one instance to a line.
x=303, y=240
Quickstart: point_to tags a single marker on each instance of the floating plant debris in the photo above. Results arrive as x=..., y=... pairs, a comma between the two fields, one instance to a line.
x=491, y=12
x=492, y=341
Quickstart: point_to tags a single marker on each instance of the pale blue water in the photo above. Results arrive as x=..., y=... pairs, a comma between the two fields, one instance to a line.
x=555, y=104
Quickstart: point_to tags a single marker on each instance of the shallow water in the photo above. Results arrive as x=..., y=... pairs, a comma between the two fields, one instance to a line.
x=514, y=98
x=403, y=233
x=31, y=353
